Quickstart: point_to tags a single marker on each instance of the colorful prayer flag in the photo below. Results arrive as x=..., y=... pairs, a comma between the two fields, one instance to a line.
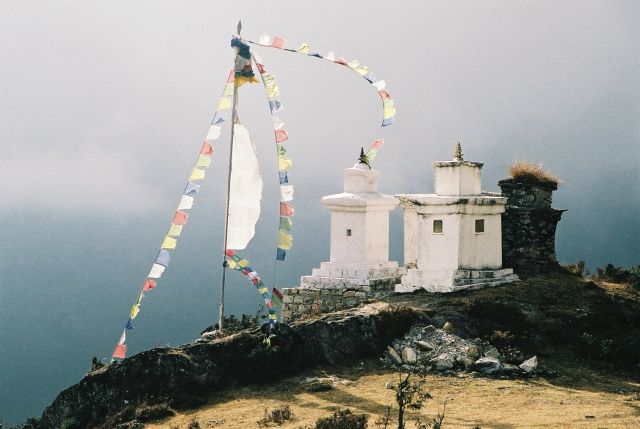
x=280, y=254
x=134, y=311
x=191, y=189
x=284, y=163
x=281, y=135
x=175, y=230
x=264, y=39
x=156, y=271
x=388, y=121
x=285, y=241
x=278, y=42
x=120, y=351
x=213, y=133
x=123, y=337
x=380, y=84
x=163, y=258
x=286, y=192
x=196, y=174
x=285, y=224
x=148, y=285
x=186, y=202
x=304, y=48
x=286, y=210
x=169, y=243
x=284, y=177
x=224, y=103
x=129, y=324
x=207, y=149
x=180, y=218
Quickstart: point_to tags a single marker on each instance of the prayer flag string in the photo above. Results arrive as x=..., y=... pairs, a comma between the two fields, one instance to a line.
x=271, y=300
x=180, y=217
x=285, y=239
x=387, y=103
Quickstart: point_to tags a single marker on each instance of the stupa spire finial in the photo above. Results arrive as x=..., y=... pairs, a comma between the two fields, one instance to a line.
x=457, y=155
x=363, y=158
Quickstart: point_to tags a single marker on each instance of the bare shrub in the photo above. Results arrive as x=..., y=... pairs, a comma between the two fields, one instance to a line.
x=277, y=416
x=528, y=172
x=343, y=419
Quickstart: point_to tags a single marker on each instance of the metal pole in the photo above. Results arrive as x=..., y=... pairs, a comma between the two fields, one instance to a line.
x=234, y=120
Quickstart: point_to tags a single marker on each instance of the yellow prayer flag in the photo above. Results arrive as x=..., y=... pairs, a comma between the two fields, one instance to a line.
x=196, y=174
x=224, y=103
x=175, y=230
x=362, y=70
x=232, y=264
x=304, y=48
x=228, y=90
x=241, y=80
x=388, y=102
x=203, y=161
x=272, y=316
x=284, y=163
x=272, y=90
x=389, y=112
x=169, y=243
x=263, y=290
x=353, y=64
x=243, y=263
x=285, y=241
x=134, y=311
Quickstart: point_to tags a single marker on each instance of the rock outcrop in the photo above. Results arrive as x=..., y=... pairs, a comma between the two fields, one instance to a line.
x=177, y=376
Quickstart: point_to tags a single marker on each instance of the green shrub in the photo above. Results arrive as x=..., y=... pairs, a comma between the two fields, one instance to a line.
x=147, y=413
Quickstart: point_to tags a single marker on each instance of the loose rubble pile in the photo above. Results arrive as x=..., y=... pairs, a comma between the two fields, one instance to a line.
x=428, y=349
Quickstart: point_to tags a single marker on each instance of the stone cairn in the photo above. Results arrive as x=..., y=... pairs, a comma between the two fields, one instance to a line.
x=428, y=349
x=529, y=226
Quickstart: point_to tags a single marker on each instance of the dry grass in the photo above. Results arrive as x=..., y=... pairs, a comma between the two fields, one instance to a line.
x=529, y=172
x=589, y=401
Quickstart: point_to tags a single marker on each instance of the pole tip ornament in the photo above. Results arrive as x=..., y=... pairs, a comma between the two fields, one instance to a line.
x=363, y=158
x=239, y=27
x=457, y=155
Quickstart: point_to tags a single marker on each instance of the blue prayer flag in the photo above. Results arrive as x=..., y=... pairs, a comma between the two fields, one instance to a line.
x=218, y=118
x=284, y=178
x=370, y=77
x=163, y=258
x=281, y=254
x=129, y=324
x=191, y=189
x=388, y=121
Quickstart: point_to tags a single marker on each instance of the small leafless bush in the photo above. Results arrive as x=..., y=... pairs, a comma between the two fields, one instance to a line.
x=343, y=419
x=277, y=416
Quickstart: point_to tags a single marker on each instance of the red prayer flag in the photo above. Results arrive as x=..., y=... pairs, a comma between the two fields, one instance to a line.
x=286, y=210
x=207, y=149
x=384, y=94
x=180, y=218
x=231, y=77
x=230, y=253
x=377, y=144
x=341, y=60
x=120, y=351
x=281, y=135
x=277, y=293
x=148, y=285
x=261, y=68
x=278, y=42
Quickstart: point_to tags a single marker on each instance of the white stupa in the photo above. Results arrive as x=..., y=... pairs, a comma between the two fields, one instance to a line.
x=359, y=252
x=453, y=238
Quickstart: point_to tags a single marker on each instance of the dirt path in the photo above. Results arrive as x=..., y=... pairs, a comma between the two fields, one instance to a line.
x=578, y=399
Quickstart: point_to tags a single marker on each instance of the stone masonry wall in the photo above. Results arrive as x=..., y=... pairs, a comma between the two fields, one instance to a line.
x=305, y=302
x=529, y=226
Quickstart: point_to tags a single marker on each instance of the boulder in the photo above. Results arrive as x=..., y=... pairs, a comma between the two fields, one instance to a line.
x=473, y=352
x=492, y=352
x=409, y=355
x=529, y=365
x=389, y=385
x=448, y=327
x=424, y=345
x=488, y=365
x=443, y=361
x=394, y=355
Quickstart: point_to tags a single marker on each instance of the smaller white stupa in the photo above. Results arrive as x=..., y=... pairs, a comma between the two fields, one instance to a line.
x=453, y=238
x=359, y=252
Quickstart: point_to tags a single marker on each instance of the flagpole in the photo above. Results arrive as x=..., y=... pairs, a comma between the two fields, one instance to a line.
x=234, y=120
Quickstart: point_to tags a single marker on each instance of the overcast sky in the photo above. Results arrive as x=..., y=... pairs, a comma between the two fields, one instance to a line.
x=103, y=107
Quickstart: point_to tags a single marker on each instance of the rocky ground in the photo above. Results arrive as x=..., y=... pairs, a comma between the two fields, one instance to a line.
x=486, y=333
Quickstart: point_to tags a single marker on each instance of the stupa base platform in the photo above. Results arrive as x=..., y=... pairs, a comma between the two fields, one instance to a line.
x=447, y=281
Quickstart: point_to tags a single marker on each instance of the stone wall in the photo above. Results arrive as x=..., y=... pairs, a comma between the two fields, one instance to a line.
x=305, y=302
x=529, y=226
